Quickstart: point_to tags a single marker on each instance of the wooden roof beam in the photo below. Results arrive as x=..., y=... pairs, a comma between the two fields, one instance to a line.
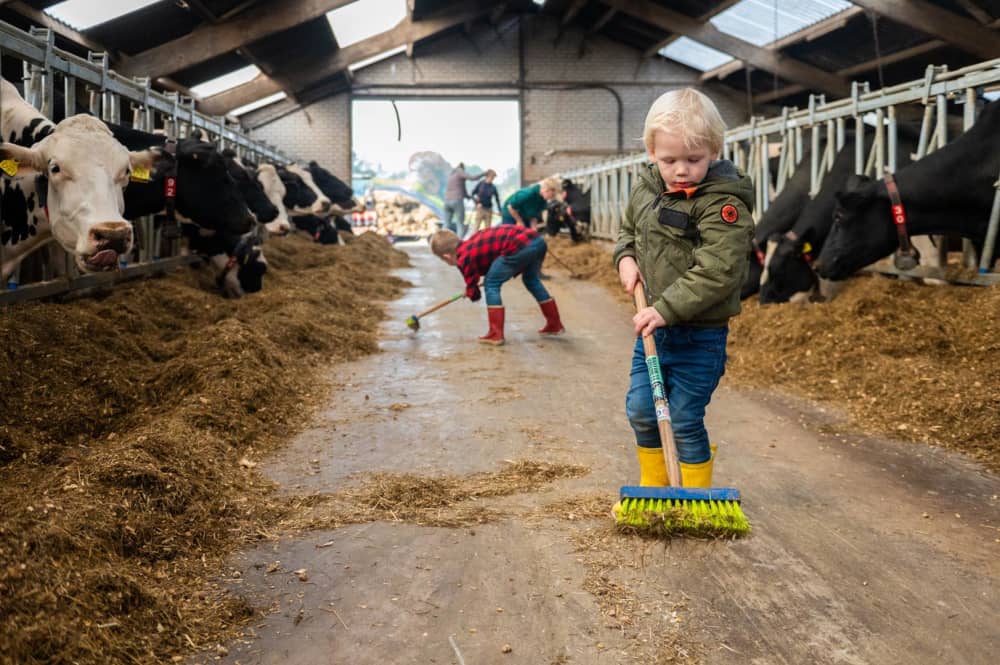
x=807, y=34
x=571, y=12
x=949, y=27
x=210, y=40
x=666, y=41
x=706, y=33
x=119, y=60
x=404, y=33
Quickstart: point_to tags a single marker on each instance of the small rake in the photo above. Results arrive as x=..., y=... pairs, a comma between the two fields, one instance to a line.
x=709, y=511
x=572, y=273
x=413, y=322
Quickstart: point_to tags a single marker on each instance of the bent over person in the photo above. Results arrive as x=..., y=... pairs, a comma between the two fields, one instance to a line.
x=499, y=254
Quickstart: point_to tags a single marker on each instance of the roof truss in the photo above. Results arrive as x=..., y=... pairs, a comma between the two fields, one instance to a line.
x=706, y=33
x=947, y=26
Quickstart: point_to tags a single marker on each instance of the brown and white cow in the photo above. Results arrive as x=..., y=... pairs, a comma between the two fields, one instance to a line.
x=80, y=172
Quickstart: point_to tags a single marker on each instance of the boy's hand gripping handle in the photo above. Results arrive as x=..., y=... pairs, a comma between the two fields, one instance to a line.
x=659, y=396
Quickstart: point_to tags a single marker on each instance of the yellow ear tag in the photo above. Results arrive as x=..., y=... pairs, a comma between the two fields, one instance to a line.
x=9, y=166
x=140, y=174
x=806, y=248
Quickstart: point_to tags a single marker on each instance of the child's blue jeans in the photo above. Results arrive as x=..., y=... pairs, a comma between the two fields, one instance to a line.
x=692, y=361
x=527, y=262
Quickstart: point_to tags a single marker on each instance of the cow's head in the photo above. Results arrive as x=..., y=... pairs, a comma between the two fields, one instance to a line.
x=321, y=229
x=299, y=199
x=862, y=232
x=339, y=192
x=274, y=190
x=251, y=190
x=789, y=275
x=322, y=204
x=85, y=171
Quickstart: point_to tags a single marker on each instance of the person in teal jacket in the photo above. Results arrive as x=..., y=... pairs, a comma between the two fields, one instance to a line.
x=685, y=238
x=525, y=206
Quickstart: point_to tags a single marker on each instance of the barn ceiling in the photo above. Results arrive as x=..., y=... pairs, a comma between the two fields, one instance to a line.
x=184, y=43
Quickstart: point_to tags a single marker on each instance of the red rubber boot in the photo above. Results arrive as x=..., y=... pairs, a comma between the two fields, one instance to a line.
x=495, y=335
x=553, y=326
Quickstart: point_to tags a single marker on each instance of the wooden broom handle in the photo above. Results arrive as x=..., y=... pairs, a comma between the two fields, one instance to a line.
x=663, y=422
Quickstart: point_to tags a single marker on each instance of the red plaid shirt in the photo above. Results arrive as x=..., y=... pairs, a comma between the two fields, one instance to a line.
x=475, y=256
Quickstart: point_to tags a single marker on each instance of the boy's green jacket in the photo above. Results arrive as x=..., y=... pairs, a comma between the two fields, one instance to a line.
x=692, y=246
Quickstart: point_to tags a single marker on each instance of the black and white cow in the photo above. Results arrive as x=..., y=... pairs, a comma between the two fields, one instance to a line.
x=341, y=195
x=949, y=191
x=779, y=217
x=275, y=191
x=789, y=274
x=68, y=186
x=299, y=198
x=321, y=206
x=218, y=222
x=206, y=195
x=264, y=211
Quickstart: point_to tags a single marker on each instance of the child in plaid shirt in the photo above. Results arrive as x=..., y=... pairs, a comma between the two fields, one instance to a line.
x=499, y=254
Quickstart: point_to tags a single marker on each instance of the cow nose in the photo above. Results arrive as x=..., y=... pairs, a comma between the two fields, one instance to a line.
x=116, y=236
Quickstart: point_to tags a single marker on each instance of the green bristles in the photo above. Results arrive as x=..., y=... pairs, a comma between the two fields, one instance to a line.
x=671, y=516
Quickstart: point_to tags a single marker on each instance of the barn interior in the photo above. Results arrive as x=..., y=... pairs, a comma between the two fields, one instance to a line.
x=303, y=475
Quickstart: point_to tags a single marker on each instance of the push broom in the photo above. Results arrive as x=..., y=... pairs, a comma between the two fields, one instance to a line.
x=413, y=322
x=676, y=509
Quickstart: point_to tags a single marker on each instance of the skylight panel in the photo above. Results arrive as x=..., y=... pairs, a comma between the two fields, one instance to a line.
x=85, y=14
x=226, y=81
x=761, y=22
x=376, y=58
x=694, y=54
x=362, y=19
x=260, y=103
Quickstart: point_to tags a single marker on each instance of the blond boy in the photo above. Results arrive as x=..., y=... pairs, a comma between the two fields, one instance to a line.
x=686, y=235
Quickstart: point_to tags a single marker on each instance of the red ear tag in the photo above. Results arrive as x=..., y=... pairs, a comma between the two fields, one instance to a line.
x=729, y=213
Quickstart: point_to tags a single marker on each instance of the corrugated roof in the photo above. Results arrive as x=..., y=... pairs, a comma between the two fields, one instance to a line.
x=759, y=22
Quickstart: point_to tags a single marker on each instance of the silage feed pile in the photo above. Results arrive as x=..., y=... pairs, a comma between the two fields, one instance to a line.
x=130, y=429
x=918, y=363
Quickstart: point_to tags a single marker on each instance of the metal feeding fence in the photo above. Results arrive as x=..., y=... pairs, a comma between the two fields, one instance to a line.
x=750, y=145
x=52, y=76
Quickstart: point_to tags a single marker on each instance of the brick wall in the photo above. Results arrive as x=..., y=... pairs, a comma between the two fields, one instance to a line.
x=570, y=113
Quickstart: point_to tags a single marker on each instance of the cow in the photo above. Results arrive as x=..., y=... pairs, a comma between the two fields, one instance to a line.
x=205, y=193
x=80, y=173
x=239, y=260
x=577, y=204
x=299, y=198
x=339, y=192
x=779, y=217
x=322, y=204
x=950, y=190
x=789, y=274
x=556, y=216
x=321, y=229
x=275, y=191
x=264, y=211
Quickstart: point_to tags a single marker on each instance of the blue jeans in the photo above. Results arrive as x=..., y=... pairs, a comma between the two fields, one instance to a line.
x=692, y=361
x=527, y=262
x=454, y=217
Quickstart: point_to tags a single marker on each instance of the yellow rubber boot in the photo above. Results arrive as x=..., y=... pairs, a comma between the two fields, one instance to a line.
x=652, y=472
x=652, y=468
x=697, y=475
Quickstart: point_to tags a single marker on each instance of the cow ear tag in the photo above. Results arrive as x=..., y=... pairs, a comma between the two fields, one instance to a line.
x=9, y=166
x=806, y=248
x=140, y=174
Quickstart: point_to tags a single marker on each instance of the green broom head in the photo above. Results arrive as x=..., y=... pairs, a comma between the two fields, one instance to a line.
x=666, y=511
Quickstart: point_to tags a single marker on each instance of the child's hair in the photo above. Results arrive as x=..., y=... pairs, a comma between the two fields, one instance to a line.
x=444, y=242
x=688, y=113
x=553, y=183
x=490, y=172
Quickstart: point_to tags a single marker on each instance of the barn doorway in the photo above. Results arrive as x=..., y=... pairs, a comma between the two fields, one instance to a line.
x=410, y=146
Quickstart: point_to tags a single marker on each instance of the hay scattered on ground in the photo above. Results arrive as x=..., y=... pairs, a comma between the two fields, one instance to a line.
x=586, y=260
x=919, y=363
x=653, y=625
x=130, y=428
x=448, y=501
